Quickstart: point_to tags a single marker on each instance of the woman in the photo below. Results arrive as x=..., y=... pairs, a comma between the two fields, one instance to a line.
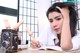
x=63, y=20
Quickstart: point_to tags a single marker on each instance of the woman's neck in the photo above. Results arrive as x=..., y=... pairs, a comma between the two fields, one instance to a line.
x=59, y=38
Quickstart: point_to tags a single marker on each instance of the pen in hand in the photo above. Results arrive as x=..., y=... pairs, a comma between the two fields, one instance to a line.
x=29, y=32
x=34, y=42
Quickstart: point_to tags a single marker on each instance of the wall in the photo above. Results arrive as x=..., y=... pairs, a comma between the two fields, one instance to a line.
x=12, y=19
x=42, y=19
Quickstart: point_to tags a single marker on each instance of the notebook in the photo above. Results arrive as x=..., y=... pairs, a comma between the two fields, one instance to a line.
x=50, y=48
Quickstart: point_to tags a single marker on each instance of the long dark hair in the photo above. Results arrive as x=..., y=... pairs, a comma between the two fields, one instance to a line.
x=73, y=14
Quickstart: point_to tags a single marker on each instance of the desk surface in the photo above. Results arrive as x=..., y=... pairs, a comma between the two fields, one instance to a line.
x=46, y=51
x=39, y=51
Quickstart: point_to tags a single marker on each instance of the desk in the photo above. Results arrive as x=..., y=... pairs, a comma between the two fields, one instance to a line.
x=39, y=51
x=45, y=51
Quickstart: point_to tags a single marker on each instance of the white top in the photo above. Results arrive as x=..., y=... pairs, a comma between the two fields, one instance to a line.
x=47, y=37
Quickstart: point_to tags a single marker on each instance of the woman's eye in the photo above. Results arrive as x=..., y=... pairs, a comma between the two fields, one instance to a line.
x=50, y=20
x=58, y=19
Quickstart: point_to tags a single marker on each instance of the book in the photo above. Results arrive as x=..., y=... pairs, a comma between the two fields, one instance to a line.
x=50, y=48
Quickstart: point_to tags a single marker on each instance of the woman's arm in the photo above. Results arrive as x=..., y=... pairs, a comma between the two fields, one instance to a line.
x=66, y=41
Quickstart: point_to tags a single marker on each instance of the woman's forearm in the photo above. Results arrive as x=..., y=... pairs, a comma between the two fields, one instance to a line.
x=66, y=42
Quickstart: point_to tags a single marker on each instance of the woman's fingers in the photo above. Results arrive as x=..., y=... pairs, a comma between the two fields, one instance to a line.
x=58, y=8
x=64, y=11
x=35, y=44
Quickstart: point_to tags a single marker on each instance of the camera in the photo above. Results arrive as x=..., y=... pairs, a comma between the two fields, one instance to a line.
x=9, y=40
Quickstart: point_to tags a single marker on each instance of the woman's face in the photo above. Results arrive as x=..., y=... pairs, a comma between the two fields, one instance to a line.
x=56, y=21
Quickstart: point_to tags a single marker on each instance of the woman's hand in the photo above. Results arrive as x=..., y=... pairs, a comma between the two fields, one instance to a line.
x=64, y=11
x=35, y=44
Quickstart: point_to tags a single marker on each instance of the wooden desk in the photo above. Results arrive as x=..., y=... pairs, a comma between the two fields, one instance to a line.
x=46, y=51
x=39, y=51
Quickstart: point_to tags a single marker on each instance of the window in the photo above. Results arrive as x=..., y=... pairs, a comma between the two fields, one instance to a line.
x=27, y=12
x=69, y=0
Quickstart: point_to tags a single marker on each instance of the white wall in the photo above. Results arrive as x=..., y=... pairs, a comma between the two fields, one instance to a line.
x=9, y=3
x=42, y=7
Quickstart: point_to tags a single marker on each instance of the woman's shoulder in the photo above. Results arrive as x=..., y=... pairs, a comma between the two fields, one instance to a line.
x=77, y=33
x=76, y=40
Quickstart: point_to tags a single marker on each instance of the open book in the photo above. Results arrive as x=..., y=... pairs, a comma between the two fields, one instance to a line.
x=50, y=48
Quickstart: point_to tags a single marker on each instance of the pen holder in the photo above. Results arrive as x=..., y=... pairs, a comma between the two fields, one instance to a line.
x=22, y=44
x=9, y=40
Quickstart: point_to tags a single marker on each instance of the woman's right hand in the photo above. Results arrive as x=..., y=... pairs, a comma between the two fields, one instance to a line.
x=35, y=44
